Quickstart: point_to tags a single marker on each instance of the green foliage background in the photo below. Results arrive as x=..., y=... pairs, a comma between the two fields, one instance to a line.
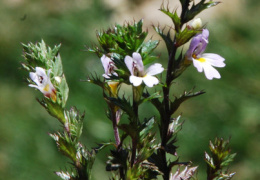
x=229, y=108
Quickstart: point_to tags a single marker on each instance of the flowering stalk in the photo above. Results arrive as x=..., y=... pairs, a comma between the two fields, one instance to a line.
x=176, y=65
x=46, y=75
x=115, y=113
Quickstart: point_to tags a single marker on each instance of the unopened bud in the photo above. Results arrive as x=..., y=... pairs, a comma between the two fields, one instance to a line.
x=58, y=79
x=196, y=24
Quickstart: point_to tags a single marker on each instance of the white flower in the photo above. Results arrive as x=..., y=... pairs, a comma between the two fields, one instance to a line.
x=204, y=61
x=138, y=75
x=43, y=82
x=109, y=67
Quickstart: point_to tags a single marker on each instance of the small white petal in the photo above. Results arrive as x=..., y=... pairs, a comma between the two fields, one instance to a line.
x=136, y=81
x=129, y=63
x=215, y=62
x=40, y=71
x=137, y=57
x=213, y=56
x=34, y=77
x=154, y=69
x=32, y=85
x=58, y=79
x=105, y=76
x=150, y=81
x=105, y=62
x=214, y=59
x=211, y=72
x=197, y=64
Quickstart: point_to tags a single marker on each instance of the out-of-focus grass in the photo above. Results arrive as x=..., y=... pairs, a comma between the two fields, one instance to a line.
x=229, y=108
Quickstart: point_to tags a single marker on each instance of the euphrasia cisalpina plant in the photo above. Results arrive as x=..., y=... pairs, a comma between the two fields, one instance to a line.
x=127, y=58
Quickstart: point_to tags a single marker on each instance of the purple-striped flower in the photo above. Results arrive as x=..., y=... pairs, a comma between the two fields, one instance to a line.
x=138, y=75
x=109, y=66
x=43, y=82
x=204, y=61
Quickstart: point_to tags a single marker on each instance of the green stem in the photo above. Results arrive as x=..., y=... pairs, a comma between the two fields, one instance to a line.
x=137, y=92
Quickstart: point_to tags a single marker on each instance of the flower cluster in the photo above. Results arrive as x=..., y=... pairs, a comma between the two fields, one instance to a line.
x=204, y=61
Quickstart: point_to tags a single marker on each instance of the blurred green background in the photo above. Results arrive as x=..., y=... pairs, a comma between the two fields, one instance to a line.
x=230, y=108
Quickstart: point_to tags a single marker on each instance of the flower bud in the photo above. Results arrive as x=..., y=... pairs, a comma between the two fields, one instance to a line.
x=57, y=79
x=195, y=24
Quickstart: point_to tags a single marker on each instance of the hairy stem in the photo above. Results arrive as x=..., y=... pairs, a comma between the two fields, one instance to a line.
x=115, y=120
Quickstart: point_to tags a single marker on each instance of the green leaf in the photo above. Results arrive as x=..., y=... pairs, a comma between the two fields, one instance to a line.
x=166, y=38
x=146, y=127
x=53, y=109
x=174, y=16
x=184, y=36
x=102, y=146
x=196, y=9
x=64, y=91
x=185, y=96
x=154, y=101
x=117, y=159
x=94, y=79
x=124, y=104
x=57, y=69
x=150, y=97
x=130, y=129
x=74, y=123
x=65, y=146
x=219, y=159
x=146, y=49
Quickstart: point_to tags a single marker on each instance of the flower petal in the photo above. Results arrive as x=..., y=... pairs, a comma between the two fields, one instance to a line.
x=137, y=57
x=150, y=81
x=136, y=81
x=105, y=62
x=197, y=64
x=129, y=63
x=32, y=85
x=40, y=71
x=205, y=33
x=154, y=69
x=34, y=77
x=211, y=72
x=214, y=59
